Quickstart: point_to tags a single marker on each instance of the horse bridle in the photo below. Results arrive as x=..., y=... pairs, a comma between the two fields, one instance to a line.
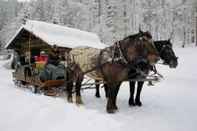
x=163, y=48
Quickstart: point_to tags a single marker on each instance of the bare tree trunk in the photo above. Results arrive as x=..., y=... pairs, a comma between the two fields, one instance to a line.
x=184, y=37
x=196, y=29
x=99, y=11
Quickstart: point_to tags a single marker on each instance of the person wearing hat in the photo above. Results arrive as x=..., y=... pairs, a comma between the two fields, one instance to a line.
x=41, y=60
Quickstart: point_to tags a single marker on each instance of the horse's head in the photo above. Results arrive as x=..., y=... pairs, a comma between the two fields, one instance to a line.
x=151, y=51
x=141, y=45
x=166, y=53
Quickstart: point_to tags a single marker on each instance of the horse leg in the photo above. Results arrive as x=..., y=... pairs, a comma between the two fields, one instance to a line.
x=69, y=88
x=132, y=91
x=106, y=90
x=111, y=98
x=116, y=93
x=78, y=92
x=69, y=92
x=139, y=89
x=97, y=89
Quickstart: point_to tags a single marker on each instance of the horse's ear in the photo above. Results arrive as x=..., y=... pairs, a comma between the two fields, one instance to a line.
x=171, y=35
x=169, y=41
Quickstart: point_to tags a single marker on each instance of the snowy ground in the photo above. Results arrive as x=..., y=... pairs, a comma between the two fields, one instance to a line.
x=169, y=106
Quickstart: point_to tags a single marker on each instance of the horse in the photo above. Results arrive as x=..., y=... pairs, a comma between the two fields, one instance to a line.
x=169, y=58
x=120, y=58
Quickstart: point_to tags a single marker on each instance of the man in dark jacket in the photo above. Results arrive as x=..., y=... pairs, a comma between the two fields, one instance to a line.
x=54, y=56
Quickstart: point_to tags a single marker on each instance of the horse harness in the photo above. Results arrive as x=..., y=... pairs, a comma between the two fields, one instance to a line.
x=121, y=56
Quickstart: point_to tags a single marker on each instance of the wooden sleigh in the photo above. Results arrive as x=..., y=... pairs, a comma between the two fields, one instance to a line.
x=25, y=76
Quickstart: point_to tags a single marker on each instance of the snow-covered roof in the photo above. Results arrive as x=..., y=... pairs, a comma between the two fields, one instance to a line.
x=63, y=36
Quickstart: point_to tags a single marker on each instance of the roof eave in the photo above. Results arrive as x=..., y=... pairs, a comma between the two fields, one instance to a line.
x=12, y=39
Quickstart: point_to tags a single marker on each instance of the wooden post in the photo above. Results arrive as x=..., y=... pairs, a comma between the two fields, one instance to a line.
x=29, y=43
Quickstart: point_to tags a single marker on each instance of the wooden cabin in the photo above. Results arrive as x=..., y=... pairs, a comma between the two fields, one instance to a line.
x=36, y=36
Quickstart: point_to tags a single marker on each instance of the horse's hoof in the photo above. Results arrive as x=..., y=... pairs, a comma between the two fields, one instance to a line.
x=115, y=107
x=79, y=100
x=79, y=103
x=70, y=100
x=110, y=111
x=131, y=102
x=97, y=95
x=106, y=97
x=138, y=103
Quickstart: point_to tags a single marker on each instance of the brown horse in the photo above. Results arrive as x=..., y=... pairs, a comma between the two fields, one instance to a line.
x=168, y=57
x=111, y=65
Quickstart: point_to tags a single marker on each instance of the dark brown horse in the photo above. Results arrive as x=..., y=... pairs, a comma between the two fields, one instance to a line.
x=111, y=65
x=169, y=58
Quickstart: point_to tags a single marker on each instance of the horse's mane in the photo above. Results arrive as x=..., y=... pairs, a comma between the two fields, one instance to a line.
x=132, y=36
x=137, y=35
x=163, y=42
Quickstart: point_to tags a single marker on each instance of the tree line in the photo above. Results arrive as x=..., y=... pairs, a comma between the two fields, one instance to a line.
x=111, y=19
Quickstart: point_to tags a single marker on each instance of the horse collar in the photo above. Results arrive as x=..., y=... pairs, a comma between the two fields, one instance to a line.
x=121, y=57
